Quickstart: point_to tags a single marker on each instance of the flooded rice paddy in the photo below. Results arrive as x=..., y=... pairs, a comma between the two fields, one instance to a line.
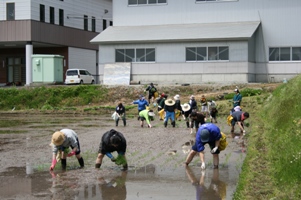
x=155, y=157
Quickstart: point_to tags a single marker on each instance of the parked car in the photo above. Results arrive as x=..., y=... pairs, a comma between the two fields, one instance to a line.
x=78, y=76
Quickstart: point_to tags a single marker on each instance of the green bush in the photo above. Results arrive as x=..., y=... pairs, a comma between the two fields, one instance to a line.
x=247, y=92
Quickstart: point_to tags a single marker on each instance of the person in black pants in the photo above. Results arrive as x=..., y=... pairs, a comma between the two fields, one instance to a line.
x=120, y=110
x=112, y=141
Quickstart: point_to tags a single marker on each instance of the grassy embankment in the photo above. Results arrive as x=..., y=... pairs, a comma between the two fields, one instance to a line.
x=56, y=98
x=271, y=169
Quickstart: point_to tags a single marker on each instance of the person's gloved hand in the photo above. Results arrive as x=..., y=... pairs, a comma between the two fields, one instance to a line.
x=214, y=150
x=53, y=164
x=113, y=159
x=203, y=166
x=72, y=153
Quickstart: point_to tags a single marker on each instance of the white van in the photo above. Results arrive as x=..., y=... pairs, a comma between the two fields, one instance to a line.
x=78, y=76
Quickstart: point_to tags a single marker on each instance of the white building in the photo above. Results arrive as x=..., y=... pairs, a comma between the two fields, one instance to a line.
x=60, y=27
x=202, y=41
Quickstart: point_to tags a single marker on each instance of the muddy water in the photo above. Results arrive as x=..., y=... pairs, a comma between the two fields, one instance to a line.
x=155, y=170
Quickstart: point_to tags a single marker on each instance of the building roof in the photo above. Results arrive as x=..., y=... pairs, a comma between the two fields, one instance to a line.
x=176, y=32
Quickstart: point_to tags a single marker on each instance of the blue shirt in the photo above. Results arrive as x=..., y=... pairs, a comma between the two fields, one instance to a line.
x=142, y=103
x=215, y=134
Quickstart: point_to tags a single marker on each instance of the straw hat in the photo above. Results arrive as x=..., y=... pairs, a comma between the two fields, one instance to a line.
x=186, y=107
x=151, y=113
x=169, y=102
x=58, y=138
x=177, y=97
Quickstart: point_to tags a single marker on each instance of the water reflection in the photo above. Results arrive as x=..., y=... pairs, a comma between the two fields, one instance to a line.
x=104, y=187
x=114, y=189
x=216, y=189
x=63, y=186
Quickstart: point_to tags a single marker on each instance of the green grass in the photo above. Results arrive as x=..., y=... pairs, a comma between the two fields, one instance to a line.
x=271, y=169
x=51, y=98
x=12, y=131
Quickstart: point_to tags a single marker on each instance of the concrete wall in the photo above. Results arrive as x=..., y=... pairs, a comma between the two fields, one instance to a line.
x=279, y=28
x=82, y=59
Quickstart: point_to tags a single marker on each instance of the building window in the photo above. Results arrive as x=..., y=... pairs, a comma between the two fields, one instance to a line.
x=93, y=22
x=42, y=13
x=207, y=53
x=61, y=17
x=111, y=23
x=135, y=55
x=104, y=24
x=10, y=11
x=85, y=22
x=296, y=53
x=146, y=2
x=51, y=15
x=285, y=54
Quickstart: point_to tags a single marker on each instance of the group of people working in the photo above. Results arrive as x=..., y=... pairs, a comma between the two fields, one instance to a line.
x=207, y=133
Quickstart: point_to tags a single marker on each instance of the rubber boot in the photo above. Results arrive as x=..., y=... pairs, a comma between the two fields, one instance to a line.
x=125, y=167
x=81, y=162
x=173, y=124
x=124, y=122
x=187, y=124
x=117, y=122
x=64, y=164
x=97, y=165
x=165, y=124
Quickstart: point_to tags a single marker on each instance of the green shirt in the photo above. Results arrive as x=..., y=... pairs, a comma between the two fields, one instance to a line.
x=144, y=113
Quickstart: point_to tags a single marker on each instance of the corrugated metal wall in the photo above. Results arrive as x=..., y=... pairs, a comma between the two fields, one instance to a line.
x=82, y=59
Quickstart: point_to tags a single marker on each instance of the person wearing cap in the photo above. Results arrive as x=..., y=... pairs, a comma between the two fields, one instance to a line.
x=151, y=92
x=193, y=103
x=196, y=118
x=237, y=98
x=207, y=134
x=112, y=141
x=120, y=110
x=186, y=111
x=169, y=109
x=142, y=104
x=178, y=107
x=60, y=142
x=238, y=118
x=147, y=115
